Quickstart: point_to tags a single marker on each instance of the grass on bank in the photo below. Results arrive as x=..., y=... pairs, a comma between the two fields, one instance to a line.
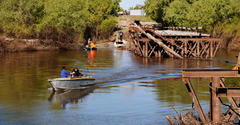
x=132, y=18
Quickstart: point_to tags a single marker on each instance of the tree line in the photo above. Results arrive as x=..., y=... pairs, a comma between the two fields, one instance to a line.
x=62, y=20
x=217, y=17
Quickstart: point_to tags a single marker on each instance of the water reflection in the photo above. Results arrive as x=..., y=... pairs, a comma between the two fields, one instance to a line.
x=69, y=96
x=174, y=90
x=175, y=63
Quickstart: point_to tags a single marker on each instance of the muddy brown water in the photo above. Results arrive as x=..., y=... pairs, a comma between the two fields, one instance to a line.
x=132, y=90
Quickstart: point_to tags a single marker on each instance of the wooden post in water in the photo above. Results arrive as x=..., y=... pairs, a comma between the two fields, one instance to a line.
x=185, y=48
x=211, y=49
x=146, y=49
x=198, y=48
x=215, y=102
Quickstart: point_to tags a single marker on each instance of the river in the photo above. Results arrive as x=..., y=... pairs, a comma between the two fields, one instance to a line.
x=131, y=90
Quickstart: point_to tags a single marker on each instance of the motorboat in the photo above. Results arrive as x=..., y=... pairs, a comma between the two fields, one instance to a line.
x=72, y=82
x=120, y=44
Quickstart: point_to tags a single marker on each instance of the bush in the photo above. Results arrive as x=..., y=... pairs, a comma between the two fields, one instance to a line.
x=107, y=26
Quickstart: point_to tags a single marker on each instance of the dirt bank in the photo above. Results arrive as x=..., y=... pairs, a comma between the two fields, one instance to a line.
x=231, y=43
x=15, y=45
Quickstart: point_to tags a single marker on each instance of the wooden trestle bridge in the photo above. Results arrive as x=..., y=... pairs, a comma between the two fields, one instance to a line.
x=158, y=43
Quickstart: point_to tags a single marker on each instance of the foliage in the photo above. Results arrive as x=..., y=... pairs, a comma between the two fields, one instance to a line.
x=156, y=9
x=212, y=15
x=176, y=13
x=60, y=20
x=98, y=12
x=108, y=25
x=63, y=18
x=19, y=17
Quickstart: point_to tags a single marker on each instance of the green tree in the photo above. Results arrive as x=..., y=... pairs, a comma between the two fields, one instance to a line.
x=98, y=12
x=63, y=18
x=176, y=13
x=156, y=9
x=108, y=25
x=19, y=17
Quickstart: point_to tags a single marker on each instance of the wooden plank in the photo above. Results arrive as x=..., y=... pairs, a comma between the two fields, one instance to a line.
x=152, y=51
x=228, y=92
x=140, y=48
x=208, y=51
x=208, y=74
x=211, y=49
x=146, y=49
x=185, y=48
x=198, y=48
x=170, y=120
x=214, y=53
x=160, y=43
x=235, y=106
x=203, y=39
x=204, y=50
x=195, y=99
x=192, y=49
x=216, y=110
x=211, y=105
x=144, y=40
x=171, y=41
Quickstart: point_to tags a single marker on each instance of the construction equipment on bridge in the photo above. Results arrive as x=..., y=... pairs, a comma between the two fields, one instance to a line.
x=217, y=90
x=160, y=43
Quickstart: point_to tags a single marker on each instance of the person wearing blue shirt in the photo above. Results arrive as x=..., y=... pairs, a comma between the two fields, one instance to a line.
x=64, y=73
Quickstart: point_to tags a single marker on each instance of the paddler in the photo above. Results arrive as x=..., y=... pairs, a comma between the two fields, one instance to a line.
x=91, y=44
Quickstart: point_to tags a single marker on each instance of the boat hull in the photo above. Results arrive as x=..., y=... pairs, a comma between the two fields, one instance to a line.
x=71, y=83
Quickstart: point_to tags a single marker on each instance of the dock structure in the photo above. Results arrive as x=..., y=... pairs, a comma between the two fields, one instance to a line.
x=217, y=91
x=148, y=42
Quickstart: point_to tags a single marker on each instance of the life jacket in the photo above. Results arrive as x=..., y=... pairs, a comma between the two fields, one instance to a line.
x=91, y=44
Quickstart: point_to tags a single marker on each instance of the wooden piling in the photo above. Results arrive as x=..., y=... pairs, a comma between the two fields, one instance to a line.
x=215, y=102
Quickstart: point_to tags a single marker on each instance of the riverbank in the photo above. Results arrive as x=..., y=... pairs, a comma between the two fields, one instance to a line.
x=8, y=44
x=15, y=45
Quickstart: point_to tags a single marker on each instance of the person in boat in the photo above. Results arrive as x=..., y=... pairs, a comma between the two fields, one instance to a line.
x=64, y=73
x=91, y=44
x=76, y=73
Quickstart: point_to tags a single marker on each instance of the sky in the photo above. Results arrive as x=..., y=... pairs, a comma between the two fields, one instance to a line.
x=126, y=4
